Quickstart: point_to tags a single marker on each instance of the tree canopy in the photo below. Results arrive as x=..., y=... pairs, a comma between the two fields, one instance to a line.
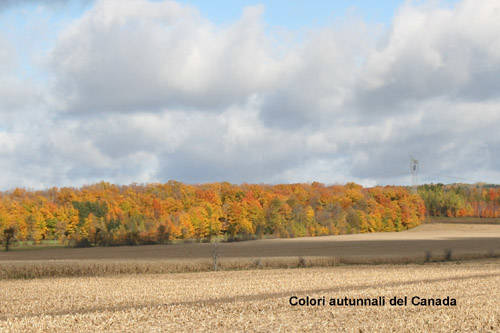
x=107, y=214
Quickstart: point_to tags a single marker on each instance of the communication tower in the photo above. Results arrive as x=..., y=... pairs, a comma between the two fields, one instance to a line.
x=414, y=174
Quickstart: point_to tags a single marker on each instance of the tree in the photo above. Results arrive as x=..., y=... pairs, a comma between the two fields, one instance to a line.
x=106, y=214
x=8, y=235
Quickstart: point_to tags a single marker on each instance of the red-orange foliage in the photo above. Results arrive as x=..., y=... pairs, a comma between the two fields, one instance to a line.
x=461, y=200
x=104, y=213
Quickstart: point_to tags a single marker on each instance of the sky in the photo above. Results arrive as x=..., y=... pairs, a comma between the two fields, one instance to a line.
x=248, y=91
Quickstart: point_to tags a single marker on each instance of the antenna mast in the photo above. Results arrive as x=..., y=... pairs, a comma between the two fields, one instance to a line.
x=414, y=174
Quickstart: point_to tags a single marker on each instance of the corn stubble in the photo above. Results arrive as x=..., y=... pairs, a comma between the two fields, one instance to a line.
x=257, y=300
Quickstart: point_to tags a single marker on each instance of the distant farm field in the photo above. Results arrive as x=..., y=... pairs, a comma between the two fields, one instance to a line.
x=428, y=242
x=434, y=237
x=259, y=300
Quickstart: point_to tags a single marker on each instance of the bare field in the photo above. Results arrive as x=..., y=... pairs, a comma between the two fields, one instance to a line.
x=436, y=237
x=429, y=242
x=462, y=239
x=258, y=300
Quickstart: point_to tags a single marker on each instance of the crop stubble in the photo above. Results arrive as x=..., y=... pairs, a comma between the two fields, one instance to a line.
x=257, y=300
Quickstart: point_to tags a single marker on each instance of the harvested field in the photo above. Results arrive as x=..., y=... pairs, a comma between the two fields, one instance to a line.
x=258, y=300
x=462, y=239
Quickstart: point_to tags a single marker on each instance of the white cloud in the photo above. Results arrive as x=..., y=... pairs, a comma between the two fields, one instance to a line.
x=434, y=52
x=151, y=91
x=137, y=55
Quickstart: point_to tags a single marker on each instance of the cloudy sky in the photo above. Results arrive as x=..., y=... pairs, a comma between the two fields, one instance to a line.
x=248, y=91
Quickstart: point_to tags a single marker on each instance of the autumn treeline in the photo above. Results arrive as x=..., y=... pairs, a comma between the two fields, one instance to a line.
x=461, y=200
x=106, y=214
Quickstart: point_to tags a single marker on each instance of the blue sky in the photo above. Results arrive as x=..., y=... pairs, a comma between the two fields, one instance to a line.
x=299, y=13
x=290, y=14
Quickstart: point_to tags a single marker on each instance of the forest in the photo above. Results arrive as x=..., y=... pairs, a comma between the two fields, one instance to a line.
x=106, y=214
x=461, y=200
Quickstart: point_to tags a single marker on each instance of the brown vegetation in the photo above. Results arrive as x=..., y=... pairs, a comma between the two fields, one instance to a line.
x=257, y=300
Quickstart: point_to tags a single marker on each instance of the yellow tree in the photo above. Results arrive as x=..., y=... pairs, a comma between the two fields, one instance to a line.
x=39, y=225
x=185, y=225
x=310, y=220
x=200, y=221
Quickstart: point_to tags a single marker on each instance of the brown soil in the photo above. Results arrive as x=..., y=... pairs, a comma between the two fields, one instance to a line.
x=435, y=237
